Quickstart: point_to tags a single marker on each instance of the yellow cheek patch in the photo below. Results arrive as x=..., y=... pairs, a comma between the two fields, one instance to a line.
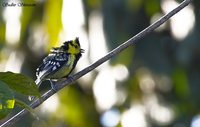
x=73, y=50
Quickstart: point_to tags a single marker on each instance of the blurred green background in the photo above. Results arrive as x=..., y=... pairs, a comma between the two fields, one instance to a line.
x=154, y=83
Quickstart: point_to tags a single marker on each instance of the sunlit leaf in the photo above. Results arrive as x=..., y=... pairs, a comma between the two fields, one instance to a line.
x=20, y=83
x=6, y=100
x=53, y=21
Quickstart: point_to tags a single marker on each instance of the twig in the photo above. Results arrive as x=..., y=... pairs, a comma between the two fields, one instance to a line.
x=111, y=54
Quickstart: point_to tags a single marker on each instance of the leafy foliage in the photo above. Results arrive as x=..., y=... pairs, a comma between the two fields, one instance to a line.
x=20, y=83
x=10, y=82
x=6, y=100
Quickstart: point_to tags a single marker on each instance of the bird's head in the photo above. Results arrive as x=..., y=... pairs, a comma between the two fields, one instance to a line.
x=72, y=47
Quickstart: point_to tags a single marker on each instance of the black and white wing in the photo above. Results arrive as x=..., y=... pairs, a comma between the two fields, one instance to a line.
x=50, y=65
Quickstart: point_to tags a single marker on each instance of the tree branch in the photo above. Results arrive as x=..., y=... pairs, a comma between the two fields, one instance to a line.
x=111, y=54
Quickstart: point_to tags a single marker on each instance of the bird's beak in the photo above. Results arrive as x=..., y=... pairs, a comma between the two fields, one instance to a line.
x=82, y=50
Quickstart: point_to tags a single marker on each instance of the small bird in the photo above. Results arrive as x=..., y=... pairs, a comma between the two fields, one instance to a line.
x=59, y=63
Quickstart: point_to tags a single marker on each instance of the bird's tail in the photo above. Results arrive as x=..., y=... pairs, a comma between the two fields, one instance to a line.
x=37, y=82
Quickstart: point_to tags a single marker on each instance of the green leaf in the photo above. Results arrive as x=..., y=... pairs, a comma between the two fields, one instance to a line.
x=27, y=107
x=7, y=101
x=20, y=83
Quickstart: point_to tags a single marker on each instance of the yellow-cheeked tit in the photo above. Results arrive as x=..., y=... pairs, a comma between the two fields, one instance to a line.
x=59, y=63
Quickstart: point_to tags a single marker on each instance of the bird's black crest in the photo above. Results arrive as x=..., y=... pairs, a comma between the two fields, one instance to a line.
x=71, y=41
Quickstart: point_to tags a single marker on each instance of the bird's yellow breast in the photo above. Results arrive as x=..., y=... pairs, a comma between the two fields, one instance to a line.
x=66, y=69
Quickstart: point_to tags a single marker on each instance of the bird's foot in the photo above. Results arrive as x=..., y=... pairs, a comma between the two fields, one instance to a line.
x=53, y=85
